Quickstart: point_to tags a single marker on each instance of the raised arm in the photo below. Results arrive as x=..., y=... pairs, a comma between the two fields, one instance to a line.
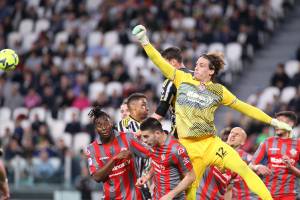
x=255, y=113
x=166, y=68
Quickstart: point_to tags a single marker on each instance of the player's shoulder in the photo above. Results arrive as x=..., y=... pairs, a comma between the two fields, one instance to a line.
x=125, y=122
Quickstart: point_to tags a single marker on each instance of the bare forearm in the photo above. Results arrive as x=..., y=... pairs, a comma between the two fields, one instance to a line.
x=295, y=170
x=184, y=183
x=102, y=173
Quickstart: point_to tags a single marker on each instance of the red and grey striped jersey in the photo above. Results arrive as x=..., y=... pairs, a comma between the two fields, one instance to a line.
x=213, y=184
x=120, y=183
x=170, y=162
x=281, y=182
x=240, y=189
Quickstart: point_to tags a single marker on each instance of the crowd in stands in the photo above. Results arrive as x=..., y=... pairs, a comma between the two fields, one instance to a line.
x=76, y=54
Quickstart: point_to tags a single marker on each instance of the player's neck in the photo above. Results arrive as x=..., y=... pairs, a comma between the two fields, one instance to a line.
x=109, y=139
x=162, y=139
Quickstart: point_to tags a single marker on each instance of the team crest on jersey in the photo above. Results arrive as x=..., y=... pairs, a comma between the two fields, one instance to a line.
x=180, y=151
x=123, y=149
x=293, y=152
x=163, y=157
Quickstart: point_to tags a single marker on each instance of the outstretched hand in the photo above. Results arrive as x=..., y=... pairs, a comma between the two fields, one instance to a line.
x=140, y=33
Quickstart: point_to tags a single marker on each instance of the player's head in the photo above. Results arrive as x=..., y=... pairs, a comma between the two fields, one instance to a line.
x=137, y=106
x=237, y=137
x=225, y=133
x=288, y=117
x=151, y=131
x=173, y=56
x=208, y=66
x=124, y=109
x=103, y=123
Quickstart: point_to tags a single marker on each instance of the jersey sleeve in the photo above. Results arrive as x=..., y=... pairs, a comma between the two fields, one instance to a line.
x=138, y=148
x=260, y=156
x=91, y=159
x=228, y=97
x=170, y=72
x=230, y=100
x=182, y=160
x=168, y=94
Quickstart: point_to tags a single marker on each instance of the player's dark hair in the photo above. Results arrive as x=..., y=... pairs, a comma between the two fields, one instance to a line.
x=216, y=62
x=97, y=113
x=289, y=114
x=151, y=124
x=134, y=97
x=172, y=53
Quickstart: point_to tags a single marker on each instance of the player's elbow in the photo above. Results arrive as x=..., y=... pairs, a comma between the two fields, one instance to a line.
x=191, y=176
x=98, y=178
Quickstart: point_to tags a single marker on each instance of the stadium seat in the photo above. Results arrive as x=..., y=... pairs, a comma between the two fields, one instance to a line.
x=62, y=36
x=39, y=111
x=217, y=46
x=34, y=3
x=277, y=8
x=67, y=137
x=84, y=117
x=28, y=41
x=94, y=38
x=42, y=25
x=233, y=54
x=137, y=62
x=201, y=49
x=291, y=67
x=6, y=124
x=5, y=113
x=267, y=97
x=26, y=27
x=13, y=37
x=57, y=128
x=20, y=111
x=68, y=114
x=95, y=89
x=287, y=94
x=81, y=140
x=130, y=52
x=110, y=39
x=92, y=5
x=114, y=87
x=116, y=51
x=55, y=162
x=188, y=23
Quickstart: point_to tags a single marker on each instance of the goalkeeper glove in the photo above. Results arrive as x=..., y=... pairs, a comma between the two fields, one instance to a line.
x=139, y=33
x=281, y=125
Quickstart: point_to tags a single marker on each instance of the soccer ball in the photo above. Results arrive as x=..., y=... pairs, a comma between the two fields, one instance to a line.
x=8, y=59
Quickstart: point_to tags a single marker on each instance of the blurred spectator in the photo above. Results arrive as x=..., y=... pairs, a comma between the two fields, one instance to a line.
x=13, y=148
x=74, y=126
x=280, y=79
x=15, y=99
x=296, y=78
x=294, y=103
x=43, y=168
x=32, y=99
x=81, y=102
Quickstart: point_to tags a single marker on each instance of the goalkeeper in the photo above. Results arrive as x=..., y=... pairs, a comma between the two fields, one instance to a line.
x=197, y=99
